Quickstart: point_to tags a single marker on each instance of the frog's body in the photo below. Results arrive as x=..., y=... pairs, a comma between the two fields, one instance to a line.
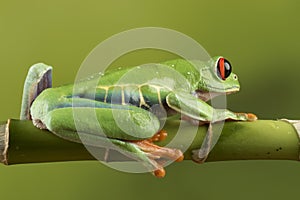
x=142, y=94
x=105, y=93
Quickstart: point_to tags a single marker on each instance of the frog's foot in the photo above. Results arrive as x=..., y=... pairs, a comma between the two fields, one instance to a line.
x=39, y=124
x=159, y=136
x=157, y=154
x=200, y=155
x=247, y=116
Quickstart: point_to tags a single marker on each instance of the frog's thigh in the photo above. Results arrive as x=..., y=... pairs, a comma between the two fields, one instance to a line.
x=131, y=123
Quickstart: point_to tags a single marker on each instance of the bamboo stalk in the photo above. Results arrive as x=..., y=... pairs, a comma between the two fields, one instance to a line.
x=21, y=142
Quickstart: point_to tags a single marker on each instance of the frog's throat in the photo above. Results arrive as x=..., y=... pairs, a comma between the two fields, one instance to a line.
x=207, y=95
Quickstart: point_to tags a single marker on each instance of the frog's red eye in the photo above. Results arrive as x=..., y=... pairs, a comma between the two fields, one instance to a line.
x=224, y=68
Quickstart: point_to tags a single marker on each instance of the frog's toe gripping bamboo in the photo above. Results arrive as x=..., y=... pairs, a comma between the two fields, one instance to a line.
x=157, y=154
x=196, y=158
x=200, y=155
x=251, y=117
x=245, y=117
x=160, y=173
x=159, y=136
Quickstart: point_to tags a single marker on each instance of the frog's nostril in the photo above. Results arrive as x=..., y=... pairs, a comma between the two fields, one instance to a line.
x=235, y=77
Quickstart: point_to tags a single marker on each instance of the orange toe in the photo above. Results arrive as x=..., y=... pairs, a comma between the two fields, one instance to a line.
x=180, y=158
x=251, y=117
x=160, y=136
x=159, y=173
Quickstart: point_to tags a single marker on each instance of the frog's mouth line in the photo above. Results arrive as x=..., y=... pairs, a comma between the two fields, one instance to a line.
x=223, y=90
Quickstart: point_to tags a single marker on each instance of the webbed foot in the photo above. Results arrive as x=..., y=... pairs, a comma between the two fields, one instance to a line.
x=247, y=116
x=157, y=155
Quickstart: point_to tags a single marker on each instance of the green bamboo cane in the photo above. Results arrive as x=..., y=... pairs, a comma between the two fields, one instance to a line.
x=21, y=142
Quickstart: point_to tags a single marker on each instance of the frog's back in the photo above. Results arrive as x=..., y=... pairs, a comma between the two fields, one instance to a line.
x=177, y=70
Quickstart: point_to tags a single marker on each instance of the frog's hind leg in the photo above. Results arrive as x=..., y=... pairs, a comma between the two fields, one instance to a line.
x=62, y=123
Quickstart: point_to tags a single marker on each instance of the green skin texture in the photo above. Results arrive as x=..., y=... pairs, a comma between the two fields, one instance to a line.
x=53, y=108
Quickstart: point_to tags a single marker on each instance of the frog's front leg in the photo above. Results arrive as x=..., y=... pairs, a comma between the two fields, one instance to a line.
x=135, y=144
x=198, y=112
x=197, y=109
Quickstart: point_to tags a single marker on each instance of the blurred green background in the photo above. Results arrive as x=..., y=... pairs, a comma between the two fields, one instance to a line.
x=260, y=38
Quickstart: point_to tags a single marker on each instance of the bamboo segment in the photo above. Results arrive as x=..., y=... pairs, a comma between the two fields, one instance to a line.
x=261, y=139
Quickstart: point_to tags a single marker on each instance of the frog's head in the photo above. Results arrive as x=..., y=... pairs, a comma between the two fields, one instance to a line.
x=217, y=77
